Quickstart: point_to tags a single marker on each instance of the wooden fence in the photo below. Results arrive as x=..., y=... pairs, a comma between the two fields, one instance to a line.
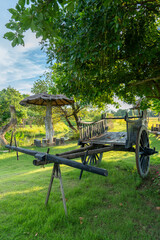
x=155, y=128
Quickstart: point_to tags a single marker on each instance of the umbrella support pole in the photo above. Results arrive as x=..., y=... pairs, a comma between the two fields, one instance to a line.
x=56, y=173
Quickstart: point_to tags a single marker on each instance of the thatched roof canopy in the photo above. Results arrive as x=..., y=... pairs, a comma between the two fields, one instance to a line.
x=44, y=99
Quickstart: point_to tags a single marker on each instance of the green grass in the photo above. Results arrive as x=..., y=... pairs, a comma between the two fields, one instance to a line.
x=120, y=206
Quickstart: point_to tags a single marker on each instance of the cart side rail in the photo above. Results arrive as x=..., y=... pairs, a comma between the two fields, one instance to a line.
x=89, y=130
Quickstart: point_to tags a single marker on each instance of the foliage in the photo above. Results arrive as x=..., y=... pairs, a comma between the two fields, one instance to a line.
x=105, y=48
x=90, y=114
x=156, y=105
x=43, y=84
x=10, y=96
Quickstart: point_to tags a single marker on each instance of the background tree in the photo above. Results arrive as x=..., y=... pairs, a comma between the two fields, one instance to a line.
x=11, y=111
x=12, y=123
x=11, y=96
x=156, y=107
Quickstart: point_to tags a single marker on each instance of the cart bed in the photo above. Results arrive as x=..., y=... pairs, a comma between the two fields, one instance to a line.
x=112, y=138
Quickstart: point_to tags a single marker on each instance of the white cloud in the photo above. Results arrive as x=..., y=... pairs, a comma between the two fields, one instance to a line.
x=20, y=63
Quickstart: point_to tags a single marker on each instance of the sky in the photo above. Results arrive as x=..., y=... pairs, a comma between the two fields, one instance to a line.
x=19, y=66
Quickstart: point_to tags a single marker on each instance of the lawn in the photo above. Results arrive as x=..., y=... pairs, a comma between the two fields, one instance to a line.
x=120, y=206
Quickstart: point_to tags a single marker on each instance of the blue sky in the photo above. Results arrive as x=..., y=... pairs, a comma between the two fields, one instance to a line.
x=19, y=66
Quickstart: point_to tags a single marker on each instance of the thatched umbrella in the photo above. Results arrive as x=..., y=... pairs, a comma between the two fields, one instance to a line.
x=48, y=100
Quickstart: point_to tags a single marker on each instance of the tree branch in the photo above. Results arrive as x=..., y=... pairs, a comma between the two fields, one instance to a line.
x=157, y=86
x=153, y=97
x=144, y=81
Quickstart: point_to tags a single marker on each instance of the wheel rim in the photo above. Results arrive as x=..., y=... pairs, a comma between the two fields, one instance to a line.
x=142, y=161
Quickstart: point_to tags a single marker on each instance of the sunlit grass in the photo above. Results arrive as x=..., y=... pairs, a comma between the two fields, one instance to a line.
x=20, y=192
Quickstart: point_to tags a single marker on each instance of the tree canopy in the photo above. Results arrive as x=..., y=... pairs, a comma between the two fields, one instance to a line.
x=104, y=48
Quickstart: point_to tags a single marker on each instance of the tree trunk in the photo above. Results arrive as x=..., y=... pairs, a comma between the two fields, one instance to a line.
x=76, y=109
x=67, y=119
x=8, y=126
x=158, y=116
x=145, y=122
x=48, y=124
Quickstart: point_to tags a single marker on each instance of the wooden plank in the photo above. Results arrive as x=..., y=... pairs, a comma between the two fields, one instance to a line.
x=104, y=142
x=90, y=152
x=118, y=138
x=76, y=150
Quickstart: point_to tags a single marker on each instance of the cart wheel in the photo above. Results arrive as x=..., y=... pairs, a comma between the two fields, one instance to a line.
x=142, y=161
x=92, y=159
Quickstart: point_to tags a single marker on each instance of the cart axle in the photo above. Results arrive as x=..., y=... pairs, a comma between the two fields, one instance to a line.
x=148, y=151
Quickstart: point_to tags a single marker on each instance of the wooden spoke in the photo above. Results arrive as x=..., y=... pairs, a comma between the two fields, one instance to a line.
x=92, y=159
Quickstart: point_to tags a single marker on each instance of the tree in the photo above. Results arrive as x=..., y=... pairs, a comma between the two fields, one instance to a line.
x=10, y=96
x=8, y=126
x=11, y=111
x=105, y=47
x=156, y=107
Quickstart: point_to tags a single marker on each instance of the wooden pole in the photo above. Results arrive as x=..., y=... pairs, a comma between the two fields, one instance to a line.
x=56, y=172
x=50, y=184
x=16, y=146
x=62, y=190
x=11, y=140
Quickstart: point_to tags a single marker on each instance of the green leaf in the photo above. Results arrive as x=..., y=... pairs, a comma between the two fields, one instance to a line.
x=38, y=34
x=20, y=39
x=11, y=25
x=33, y=26
x=21, y=3
x=70, y=6
x=18, y=7
x=12, y=11
x=9, y=35
x=15, y=42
